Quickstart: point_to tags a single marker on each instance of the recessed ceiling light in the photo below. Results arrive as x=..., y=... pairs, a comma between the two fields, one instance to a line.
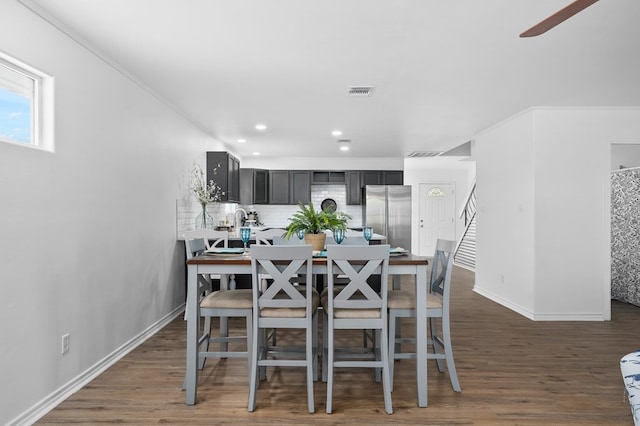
x=242, y=140
x=344, y=144
x=261, y=127
x=256, y=153
x=336, y=133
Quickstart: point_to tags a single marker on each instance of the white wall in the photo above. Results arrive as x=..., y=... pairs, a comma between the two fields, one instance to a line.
x=571, y=213
x=505, y=219
x=459, y=170
x=88, y=241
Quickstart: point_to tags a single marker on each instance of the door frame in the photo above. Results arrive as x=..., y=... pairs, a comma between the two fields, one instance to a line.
x=421, y=187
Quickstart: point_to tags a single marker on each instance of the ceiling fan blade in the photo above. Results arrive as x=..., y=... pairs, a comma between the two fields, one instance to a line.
x=558, y=17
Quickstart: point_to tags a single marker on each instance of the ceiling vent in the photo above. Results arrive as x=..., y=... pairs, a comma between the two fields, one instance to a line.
x=425, y=153
x=360, y=91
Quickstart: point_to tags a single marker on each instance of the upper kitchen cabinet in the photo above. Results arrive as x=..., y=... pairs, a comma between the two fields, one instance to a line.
x=289, y=186
x=224, y=169
x=278, y=187
x=393, y=177
x=254, y=186
x=370, y=177
x=299, y=186
x=354, y=188
x=381, y=177
x=327, y=177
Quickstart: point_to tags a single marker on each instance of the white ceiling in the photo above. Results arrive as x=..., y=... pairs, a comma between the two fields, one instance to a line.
x=443, y=70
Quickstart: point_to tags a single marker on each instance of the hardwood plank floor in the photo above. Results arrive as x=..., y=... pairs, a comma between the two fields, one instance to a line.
x=512, y=371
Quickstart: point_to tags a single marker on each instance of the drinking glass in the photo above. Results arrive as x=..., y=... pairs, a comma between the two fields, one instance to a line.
x=245, y=235
x=367, y=231
x=338, y=235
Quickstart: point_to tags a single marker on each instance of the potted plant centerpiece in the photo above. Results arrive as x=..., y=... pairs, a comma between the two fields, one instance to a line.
x=313, y=223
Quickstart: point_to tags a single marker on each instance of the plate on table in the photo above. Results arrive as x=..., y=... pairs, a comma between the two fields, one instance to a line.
x=398, y=251
x=226, y=251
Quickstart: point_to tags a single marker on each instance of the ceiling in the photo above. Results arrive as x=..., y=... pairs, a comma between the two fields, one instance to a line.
x=442, y=70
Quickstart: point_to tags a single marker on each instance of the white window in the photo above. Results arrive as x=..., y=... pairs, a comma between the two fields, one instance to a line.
x=435, y=192
x=26, y=105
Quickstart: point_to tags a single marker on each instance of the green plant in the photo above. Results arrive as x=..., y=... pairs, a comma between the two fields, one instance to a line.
x=312, y=221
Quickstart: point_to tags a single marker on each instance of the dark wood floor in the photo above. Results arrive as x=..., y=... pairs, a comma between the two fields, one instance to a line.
x=512, y=371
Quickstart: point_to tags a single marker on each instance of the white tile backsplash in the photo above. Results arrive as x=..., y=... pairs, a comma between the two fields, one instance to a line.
x=276, y=216
x=272, y=216
x=187, y=211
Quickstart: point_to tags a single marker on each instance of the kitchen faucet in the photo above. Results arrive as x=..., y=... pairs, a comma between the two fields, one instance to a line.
x=235, y=217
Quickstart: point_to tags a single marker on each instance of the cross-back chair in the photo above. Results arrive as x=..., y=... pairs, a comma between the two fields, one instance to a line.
x=357, y=306
x=222, y=304
x=265, y=237
x=402, y=304
x=283, y=305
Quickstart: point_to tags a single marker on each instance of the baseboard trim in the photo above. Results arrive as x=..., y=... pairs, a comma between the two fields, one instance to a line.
x=547, y=316
x=504, y=302
x=40, y=409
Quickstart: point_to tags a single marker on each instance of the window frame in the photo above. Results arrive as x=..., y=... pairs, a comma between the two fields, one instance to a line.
x=41, y=104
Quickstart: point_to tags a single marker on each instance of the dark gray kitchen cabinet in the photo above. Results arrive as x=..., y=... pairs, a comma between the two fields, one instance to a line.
x=289, y=186
x=370, y=177
x=278, y=187
x=254, y=186
x=354, y=189
x=393, y=177
x=299, y=186
x=224, y=169
x=381, y=177
x=327, y=177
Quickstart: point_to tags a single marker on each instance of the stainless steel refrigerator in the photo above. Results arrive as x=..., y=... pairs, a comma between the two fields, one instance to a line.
x=387, y=208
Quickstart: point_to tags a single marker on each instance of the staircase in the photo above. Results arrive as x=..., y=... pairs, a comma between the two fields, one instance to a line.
x=465, y=254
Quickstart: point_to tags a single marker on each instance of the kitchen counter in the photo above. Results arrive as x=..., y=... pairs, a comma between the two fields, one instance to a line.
x=235, y=234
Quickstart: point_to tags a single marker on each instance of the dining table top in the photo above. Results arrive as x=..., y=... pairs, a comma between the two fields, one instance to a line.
x=245, y=259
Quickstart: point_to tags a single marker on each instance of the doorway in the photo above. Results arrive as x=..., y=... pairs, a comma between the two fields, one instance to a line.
x=624, y=227
x=436, y=215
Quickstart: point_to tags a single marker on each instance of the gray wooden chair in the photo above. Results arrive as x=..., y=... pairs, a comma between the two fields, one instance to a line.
x=222, y=304
x=265, y=237
x=278, y=240
x=211, y=237
x=356, y=306
x=283, y=305
x=402, y=304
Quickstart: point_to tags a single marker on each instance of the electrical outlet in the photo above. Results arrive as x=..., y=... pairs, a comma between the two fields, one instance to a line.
x=66, y=342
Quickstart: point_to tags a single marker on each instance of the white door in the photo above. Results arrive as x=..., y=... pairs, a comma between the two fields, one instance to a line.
x=437, y=215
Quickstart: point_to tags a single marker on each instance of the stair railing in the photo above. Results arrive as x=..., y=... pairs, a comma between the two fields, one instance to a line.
x=469, y=207
x=468, y=212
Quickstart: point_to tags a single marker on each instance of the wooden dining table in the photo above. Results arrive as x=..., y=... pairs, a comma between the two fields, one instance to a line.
x=406, y=264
